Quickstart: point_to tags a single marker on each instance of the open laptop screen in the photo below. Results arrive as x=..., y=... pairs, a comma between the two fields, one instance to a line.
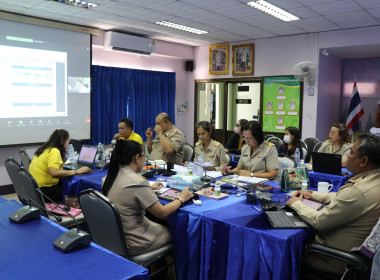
x=87, y=154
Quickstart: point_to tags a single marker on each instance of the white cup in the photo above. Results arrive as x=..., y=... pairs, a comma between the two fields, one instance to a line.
x=324, y=187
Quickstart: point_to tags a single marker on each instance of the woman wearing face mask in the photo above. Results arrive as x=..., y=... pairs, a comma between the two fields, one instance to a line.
x=236, y=142
x=291, y=141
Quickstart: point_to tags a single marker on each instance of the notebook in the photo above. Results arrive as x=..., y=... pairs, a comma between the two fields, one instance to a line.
x=327, y=163
x=278, y=217
x=170, y=194
x=86, y=158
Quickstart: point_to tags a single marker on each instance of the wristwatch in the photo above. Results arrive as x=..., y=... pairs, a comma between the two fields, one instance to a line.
x=182, y=202
x=161, y=133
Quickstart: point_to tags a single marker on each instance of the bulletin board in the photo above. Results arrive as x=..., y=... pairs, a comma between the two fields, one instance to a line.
x=281, y=103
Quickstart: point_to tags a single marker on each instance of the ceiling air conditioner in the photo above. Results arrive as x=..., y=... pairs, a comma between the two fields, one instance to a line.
x=128, y=43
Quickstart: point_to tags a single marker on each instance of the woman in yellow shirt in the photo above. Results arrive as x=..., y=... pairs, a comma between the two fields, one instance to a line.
x=47, y=164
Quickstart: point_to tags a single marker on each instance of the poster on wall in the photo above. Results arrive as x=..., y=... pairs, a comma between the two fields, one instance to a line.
x=281, y=103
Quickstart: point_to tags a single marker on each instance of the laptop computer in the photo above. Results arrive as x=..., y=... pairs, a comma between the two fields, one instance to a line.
x=278, y=217
x=86, y=158
x=327, y=163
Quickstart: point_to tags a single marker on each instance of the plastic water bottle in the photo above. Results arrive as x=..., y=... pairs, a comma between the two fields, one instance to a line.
x=302, y=163
x=297, y=157
x=190, y=168
x=71, y=153
x=283, y=167
x=100, y=151
x=217, y=189
x=200, y=166
x=304, y=185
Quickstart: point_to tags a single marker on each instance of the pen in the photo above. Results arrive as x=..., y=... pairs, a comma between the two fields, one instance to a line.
x=257, y=209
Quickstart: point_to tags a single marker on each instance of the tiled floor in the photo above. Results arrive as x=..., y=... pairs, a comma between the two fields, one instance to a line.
x=10, y=196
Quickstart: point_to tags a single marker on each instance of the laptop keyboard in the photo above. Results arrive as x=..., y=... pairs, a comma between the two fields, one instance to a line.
x=280, y=219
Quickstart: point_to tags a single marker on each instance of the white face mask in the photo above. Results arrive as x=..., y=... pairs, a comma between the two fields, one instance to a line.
x=237, y=130
x=287, y=139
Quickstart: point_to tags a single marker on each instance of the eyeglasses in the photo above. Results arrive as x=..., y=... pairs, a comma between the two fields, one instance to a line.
x=143, y=156
x=247, y=139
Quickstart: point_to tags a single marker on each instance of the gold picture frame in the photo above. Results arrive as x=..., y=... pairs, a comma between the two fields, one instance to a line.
x=242, y=60
x=219, y=59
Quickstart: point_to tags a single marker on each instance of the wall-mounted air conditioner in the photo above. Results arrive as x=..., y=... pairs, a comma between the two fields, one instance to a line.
x=128, y=43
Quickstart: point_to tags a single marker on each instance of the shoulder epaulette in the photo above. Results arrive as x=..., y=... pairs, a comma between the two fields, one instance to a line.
x=198, y=143
x=356, y=180
x=270, y=144
x=327, y=141
x=216, y=144
x=175, y=130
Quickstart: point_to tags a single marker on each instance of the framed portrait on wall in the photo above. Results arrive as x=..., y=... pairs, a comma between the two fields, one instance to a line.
x=242, y=59
x=218, y=59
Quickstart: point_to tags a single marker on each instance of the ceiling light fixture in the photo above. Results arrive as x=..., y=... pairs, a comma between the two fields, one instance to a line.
x=181, y=27
x=272, y=10
x=77, y=3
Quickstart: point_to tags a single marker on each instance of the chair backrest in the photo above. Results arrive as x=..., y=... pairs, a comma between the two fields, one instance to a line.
x=106, y=228
x=188, y=152
x=275, y=140
x=13, y=167
x=317, y=146
x=30, y=187
x=310, y=142
x=268, y=136
x=288, y=160
x=228, y=159
x=25, y=159
x=304, y=153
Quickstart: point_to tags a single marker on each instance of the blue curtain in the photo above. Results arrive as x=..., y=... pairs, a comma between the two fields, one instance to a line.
x=128, y=93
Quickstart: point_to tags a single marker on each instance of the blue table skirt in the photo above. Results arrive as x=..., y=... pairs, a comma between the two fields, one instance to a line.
x=239, y=243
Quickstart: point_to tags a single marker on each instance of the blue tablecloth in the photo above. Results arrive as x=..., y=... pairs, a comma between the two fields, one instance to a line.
x=336, y=180
x=239, y=243
x=27, y=252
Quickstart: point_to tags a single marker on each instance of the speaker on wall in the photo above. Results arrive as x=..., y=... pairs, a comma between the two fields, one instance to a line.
x=189, y=65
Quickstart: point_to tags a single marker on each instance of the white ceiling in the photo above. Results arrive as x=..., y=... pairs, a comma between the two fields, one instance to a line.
x=225, y=20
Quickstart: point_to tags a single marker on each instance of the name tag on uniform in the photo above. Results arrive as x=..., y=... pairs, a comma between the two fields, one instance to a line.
x=259, y=156
x=245, y=155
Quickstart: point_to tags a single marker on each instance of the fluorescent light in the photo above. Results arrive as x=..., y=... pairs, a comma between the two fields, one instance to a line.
x=181, y=27
x=272, y=10
x=77, y=3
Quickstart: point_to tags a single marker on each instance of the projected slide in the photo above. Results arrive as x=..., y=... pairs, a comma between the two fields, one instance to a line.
x=35, y=80
x=45, y=83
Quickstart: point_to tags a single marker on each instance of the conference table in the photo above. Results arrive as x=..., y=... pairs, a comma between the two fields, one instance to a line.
x=224, y=239
x=27, y=252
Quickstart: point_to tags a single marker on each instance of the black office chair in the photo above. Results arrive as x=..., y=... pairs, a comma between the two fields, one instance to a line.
x=34, y=198
x=356, y=263
x=13, y=167
x=25, y=159
x=228, y=159
x=188, y=152
x=277, y=141
x=107, y=229
x=310, y=142
x=317, y=146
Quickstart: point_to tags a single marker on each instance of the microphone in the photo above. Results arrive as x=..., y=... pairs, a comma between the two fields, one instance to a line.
x=205, y=178
x=71, y=239
x=25, y=214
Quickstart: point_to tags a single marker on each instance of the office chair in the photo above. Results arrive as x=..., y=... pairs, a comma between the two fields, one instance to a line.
x=33, y=197
x=188, y=152
x=357, y=264
x=107, y=229
x=317, y=146
x=268, y=136
x=275, y=140
x=13, y=167
x=310, y=142
x=25, y=159
x=228, y=159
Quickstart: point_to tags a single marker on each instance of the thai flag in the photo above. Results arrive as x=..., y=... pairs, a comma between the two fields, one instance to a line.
x=355, y=112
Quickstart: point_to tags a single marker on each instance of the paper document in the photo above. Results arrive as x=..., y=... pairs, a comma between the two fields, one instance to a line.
x=251, y=180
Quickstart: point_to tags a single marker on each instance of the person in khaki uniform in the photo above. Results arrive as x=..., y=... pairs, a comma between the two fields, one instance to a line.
x=210, y=150
x=168, y=141
x=351, y=212
x=337, y=142
x=258, y=158
x=132, y=195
